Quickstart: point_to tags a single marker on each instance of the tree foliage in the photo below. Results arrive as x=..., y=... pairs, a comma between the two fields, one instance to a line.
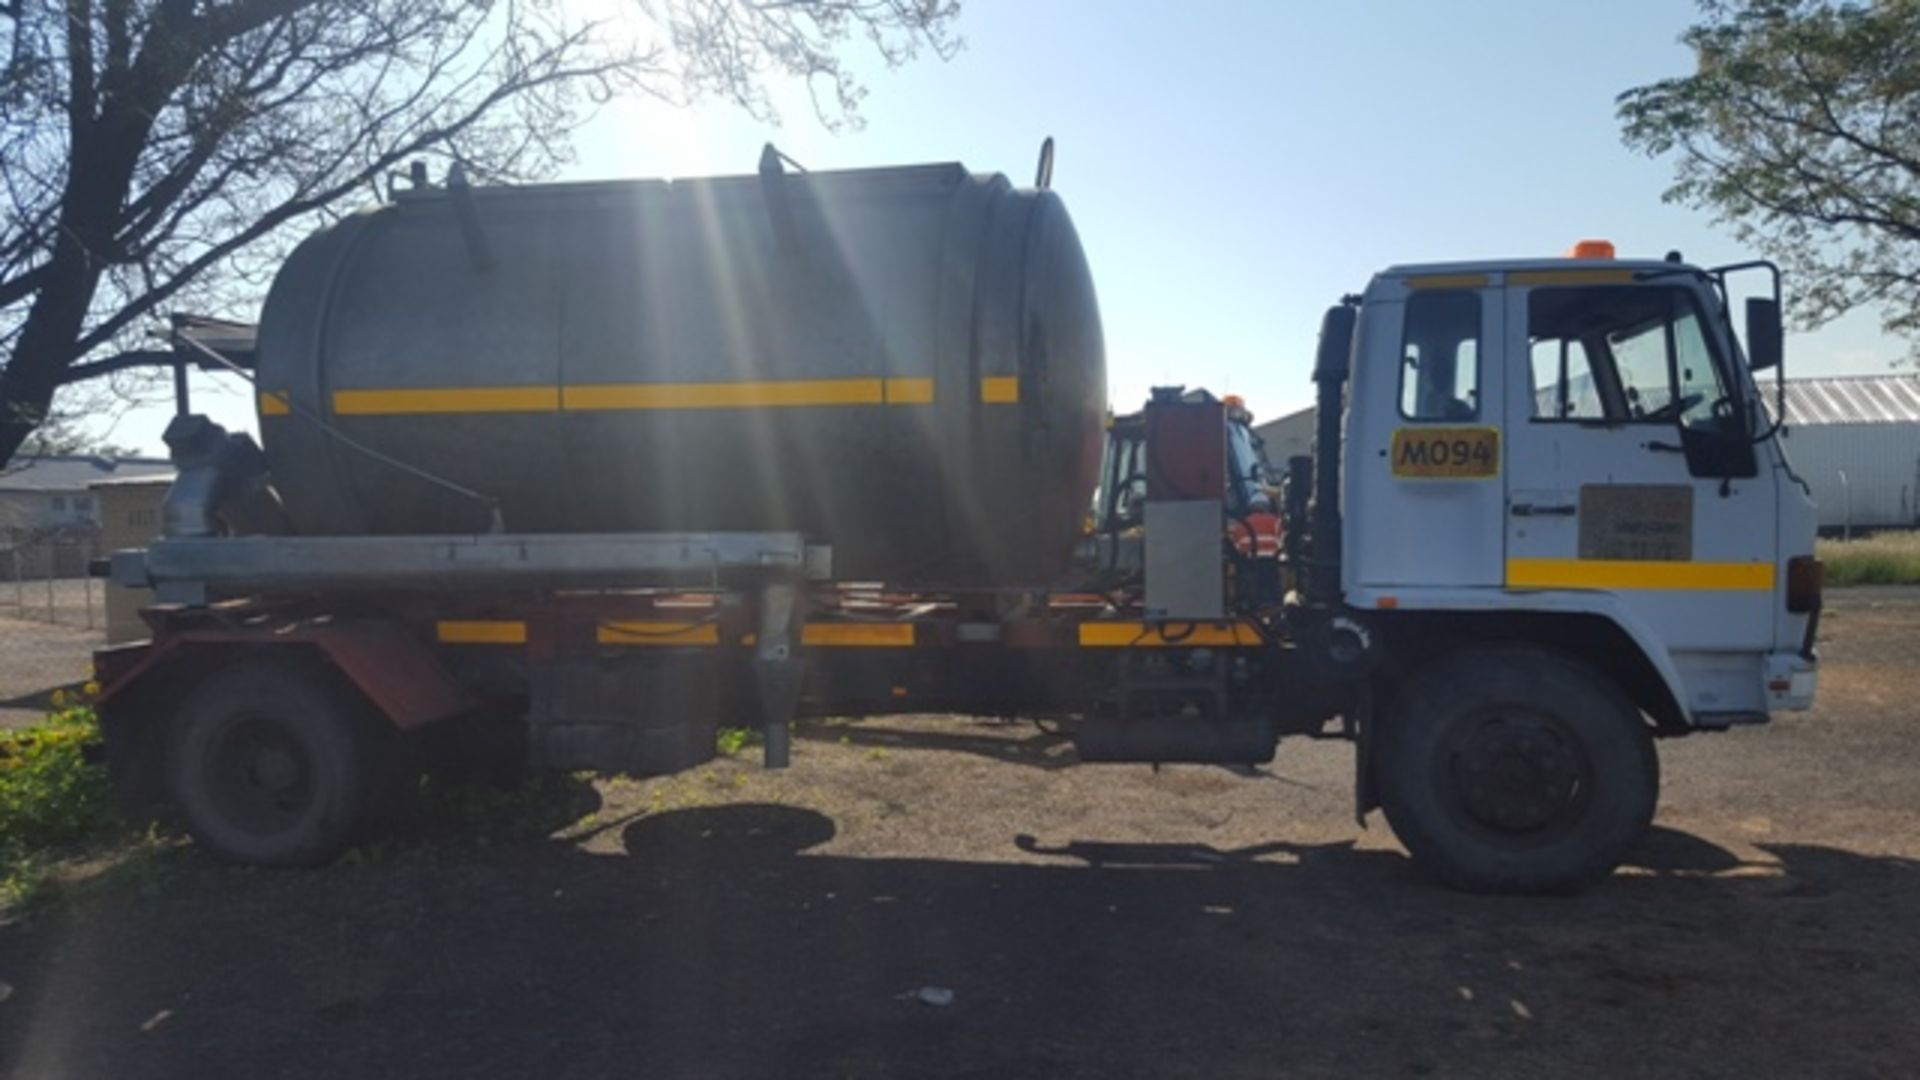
x=1800, y=127
x=161, y=154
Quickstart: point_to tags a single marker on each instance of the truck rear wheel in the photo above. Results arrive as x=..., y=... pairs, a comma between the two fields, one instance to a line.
x=274, y=762
x=1512, y=769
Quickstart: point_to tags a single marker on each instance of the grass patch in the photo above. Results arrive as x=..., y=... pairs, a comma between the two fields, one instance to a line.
x=1888, y=558
x=54, y=803
x=729, y=742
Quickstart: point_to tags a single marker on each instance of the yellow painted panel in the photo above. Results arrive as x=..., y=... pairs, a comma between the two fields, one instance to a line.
x=465, y=399
x=1448, y=281
x=1570, y=277
x=726, y=395
x=909, y=391
x=481, y=632
x=274, y=403
x=1108, y=635
x=1000, y=389
x=641, y=632
x=1628, y=574
x=857, y=635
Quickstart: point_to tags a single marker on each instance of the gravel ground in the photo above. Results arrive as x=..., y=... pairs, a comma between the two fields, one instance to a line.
x=38, y=657
x=1092, y=921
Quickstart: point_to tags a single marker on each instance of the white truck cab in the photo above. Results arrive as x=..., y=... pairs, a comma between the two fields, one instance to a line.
x=1583, y=436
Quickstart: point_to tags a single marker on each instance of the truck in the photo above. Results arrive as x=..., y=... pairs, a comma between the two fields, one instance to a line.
x=581, y=472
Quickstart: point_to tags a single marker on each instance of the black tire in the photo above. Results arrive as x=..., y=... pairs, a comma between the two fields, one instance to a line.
x=274, y=761
x=1513, y=769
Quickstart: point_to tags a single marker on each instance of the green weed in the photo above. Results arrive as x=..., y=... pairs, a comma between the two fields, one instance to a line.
x=53, y=802
x=730, y=741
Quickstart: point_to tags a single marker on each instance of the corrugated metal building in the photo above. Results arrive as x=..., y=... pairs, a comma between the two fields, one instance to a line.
x=1287, y=436
x=1855, y=439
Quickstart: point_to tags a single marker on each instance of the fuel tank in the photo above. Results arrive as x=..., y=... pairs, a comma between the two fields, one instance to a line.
x=904, y=363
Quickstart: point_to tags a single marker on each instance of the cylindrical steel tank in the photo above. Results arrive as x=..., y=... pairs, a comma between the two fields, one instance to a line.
x=904, y=363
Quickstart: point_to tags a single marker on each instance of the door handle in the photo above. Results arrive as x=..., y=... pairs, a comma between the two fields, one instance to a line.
x=1664, y=447
x=1549, y=510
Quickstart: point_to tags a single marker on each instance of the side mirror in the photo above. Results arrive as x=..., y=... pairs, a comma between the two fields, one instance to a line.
x=1724, y=454
x=1763, y=333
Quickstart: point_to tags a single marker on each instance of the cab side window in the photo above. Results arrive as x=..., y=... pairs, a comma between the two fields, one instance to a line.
x=1440, y=357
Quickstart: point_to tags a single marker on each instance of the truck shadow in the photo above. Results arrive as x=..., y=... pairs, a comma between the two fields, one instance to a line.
x=1038, y=748
x=734, y=941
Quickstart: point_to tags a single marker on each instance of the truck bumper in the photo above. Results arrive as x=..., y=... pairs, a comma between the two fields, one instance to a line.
x=1791, y=680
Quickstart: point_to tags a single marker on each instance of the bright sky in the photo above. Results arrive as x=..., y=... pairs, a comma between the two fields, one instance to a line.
x=1233, y=168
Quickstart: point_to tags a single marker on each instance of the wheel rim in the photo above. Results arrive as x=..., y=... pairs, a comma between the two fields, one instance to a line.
x=1519, y=777
x=259, y=774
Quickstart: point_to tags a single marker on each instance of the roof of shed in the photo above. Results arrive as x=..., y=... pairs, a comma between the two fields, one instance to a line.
x=1851, y=399
x=74, y=472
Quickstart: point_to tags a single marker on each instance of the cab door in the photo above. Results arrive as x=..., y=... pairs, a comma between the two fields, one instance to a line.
x=1631, y=469
x=1424, y=504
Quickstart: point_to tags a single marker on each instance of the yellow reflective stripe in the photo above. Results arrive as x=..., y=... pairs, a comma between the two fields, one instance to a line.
x=603, y=397
x=481, y=632
x=1000, y=389
x=909, y=391
x=857, y=635
x=1448, y=281
x=725, y=395
x=467, y=399
x=1626, y=574
x=1174, y=634
x=1570, y=277
x=642, y=632
x=274, y=403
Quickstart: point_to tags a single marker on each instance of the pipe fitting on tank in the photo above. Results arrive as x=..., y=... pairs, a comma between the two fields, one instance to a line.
x=222, y=487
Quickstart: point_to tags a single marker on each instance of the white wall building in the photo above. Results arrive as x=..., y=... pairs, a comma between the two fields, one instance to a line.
x=50, y=494
x=1856, y=441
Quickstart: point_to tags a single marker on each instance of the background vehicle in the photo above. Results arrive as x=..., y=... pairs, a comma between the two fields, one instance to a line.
x=823, y=444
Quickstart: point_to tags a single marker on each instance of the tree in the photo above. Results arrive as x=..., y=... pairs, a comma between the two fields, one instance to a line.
x=161, y=154
x=1800, y=127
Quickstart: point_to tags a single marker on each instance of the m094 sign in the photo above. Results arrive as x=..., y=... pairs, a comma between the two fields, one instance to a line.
x=1446, y=453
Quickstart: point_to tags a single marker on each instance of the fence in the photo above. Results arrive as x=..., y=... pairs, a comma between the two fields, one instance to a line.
x=46, y=580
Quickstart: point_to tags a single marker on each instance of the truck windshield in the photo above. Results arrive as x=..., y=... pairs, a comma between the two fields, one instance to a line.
x=1626, y=354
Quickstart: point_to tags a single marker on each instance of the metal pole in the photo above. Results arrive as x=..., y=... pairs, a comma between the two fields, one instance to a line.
x=1846, y=497
x=19, y=582
x=86, y=583
x=49, y=561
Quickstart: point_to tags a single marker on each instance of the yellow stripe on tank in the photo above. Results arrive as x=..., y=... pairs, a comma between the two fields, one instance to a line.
x=481, y=632
x=857, y=635
x=909, y=391
x=1627, y=574
x=274, y=403
x=464, y=399
x=622, y=397
x=657, y=633
x=786, y=393
x=1000, y=390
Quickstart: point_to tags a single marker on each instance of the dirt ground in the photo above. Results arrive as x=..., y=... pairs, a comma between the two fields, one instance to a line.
x=1091, y=921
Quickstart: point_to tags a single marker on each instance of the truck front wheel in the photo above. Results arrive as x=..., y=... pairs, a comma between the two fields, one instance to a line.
x=274, y=762
x=1513, y=769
